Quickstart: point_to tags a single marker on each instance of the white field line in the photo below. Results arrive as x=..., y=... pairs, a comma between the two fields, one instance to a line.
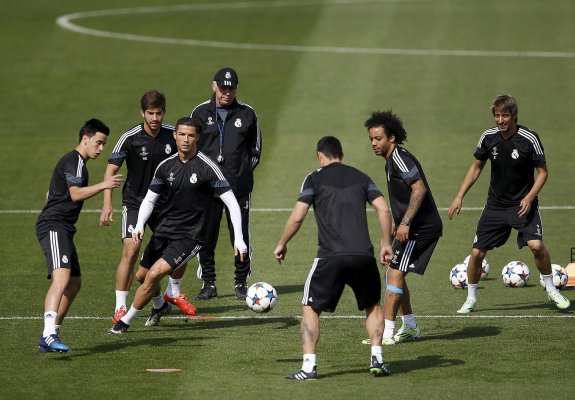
x=95, y=211
x=282, y=317
x=65, y=21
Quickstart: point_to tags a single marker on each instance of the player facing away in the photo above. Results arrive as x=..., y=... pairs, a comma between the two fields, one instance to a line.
x=188, y=181
x=514, y=152
x=417, y=224
x=231, y=136
x=339, y=194
x=55, y=228
x=142, y=148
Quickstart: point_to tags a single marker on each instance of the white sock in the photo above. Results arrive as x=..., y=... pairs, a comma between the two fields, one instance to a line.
x=158, y=301
x=409, y=319
x=548, y=280
x=49, y=323
x=308, y=362
x=173, y=289
x=121, y=298
x=388, y=329
x=130, y=315
x=376, y=351
x=472, y=291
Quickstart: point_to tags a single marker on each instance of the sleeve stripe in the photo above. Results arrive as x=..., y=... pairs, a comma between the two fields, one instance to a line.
x=487, y=132
x=533, y=139
x=80, y=166
x=212, y=165
x=399, y=162
x=125, y=136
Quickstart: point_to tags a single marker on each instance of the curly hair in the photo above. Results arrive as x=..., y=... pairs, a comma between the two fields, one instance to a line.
x=390, y=122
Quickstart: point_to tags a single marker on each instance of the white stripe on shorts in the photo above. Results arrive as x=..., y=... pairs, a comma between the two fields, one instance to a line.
x=406, y=255
x=55, y=249
x=307, y=282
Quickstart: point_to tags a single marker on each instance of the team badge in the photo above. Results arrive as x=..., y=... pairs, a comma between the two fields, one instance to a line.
x=238, y=123
x=193, y=178
x=228, y=75
x=65, y=259
x=515, y=154
x=130, y=228
x=210, y=121
x=168, y=149
x=144, y=153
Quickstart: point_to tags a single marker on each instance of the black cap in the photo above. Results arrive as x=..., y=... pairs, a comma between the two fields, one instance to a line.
x=226, y=77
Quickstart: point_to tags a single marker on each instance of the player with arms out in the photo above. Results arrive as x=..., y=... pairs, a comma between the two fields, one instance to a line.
x=142, y=148
x=418, y=225
x=339, y=194
x=514, y=151
x=188, y=182
x=55, y=228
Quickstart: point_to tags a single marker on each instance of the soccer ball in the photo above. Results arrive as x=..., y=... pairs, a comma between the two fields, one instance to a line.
x=484, y=267
x=458, y=276
x=515, y=274
x=261, y=297
x=559, y=276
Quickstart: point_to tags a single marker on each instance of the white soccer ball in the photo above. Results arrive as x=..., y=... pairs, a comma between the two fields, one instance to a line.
x=261, y=297
x=515, y=274
x=484, y=267
x=458, y=276
x=559, y=276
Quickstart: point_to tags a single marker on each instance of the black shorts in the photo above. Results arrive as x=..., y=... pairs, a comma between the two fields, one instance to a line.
x=494, y=227
x=328, y=277
x=60, y=251
x=413, y=255
x=130, y=219
x=175, y=252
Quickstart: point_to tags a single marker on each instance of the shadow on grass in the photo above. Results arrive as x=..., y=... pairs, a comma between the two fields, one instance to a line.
x=135, y=337
x=403, y=366
x=465, y=333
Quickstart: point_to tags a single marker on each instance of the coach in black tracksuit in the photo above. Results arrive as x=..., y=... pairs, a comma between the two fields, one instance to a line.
x=231, y=136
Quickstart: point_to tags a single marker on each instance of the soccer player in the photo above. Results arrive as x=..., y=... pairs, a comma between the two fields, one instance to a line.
x=55, y=228
x=231, y=136
x=187, y=182
x=417, y=224
x=142, y=147
x=339, y=194
x=514, y=151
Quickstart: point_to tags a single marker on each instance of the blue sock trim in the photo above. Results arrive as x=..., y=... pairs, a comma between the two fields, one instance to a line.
x=394, y=289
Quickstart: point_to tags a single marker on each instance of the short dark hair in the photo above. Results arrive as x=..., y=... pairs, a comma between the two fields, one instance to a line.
x=91, y=127
x=507, y=103
x=188, y=121
x=330, y=146
x=390, y=122
x=153, y=99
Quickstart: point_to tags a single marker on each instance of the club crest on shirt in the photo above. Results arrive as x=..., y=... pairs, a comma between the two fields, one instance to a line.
x=238, y=123
x=210, y=121
x=515, y=154
x=193, y=178
x=168, y=149
x=144, y=153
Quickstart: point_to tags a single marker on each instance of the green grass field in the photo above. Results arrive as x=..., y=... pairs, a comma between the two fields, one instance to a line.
x=309, y=68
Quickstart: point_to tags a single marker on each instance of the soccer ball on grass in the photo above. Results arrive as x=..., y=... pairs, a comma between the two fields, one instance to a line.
x=458, y=276
x=515, y=274
x=261, y=297
x=559, y=276
x=484, y=267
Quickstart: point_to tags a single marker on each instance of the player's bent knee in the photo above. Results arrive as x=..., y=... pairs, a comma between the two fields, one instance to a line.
x=394, y=289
